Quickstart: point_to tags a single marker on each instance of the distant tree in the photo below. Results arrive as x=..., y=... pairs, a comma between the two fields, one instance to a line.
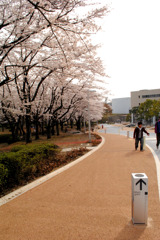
x=146, y=110
x=135, y=113
x=155, y=108
x=128, y=118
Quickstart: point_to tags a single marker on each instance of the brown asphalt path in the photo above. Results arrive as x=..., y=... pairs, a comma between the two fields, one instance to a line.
x=90, y=201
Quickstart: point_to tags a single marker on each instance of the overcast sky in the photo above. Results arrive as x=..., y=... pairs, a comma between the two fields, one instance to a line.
x=131, y=46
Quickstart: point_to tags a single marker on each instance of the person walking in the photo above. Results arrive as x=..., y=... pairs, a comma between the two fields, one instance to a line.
x=157, y=131
x=138, y=135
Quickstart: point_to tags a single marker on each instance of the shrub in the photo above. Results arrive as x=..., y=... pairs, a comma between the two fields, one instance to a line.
x=12, y=168
x=32, y=157
x=3, y=176
x=24, y=163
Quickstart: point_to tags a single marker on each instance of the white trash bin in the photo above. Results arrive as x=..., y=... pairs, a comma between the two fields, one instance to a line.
x=139, y=198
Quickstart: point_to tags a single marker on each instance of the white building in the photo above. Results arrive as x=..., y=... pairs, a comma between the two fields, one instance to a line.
x=121, y=105
x=138, y=97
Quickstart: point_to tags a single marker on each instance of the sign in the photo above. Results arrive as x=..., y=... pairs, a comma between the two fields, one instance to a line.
x=140, y=182
x=139, y=198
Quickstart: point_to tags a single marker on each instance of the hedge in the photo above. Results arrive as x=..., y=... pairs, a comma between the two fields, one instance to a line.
x=24, y=162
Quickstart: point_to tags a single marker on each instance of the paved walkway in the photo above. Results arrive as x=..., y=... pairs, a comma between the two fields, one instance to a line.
x=89, y=201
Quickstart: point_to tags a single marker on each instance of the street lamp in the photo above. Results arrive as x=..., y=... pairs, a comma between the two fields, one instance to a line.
x=84, y=116
x=89, y=121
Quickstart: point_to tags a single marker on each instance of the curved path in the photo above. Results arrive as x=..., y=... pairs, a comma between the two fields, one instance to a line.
x=89, y=201
x=150, y=142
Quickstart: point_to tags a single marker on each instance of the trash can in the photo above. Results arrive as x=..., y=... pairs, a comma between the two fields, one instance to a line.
x=139, y=198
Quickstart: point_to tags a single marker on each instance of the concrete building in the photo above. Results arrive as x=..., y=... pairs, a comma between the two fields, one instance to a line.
x=138, y=97
x=121, y=105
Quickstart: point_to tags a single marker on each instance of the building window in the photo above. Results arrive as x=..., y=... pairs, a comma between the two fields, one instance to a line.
x=151, y=96
x=139, y=96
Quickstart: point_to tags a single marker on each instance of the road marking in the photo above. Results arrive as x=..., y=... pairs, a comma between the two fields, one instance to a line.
x=157, y=162
x=20, y=191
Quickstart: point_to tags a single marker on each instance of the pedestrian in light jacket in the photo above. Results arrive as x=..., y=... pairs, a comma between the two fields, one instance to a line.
x=138, y=135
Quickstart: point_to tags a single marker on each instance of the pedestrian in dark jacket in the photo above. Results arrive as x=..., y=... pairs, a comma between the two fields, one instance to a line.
x=157, y=131
x=138, y=135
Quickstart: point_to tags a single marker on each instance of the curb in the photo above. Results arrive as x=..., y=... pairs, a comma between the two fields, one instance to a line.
x=7, y=198
x=157, y=167
x=157, y=162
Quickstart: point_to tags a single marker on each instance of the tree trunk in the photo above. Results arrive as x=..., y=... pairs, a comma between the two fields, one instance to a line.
x=2, y=128
x=49, y=129
x=53, y=130
x=71, y=123
x=28, y=125
x=61, y=124
x=28, y=129
x=57, y=128
x=42, y=127
x=22, y=132
x=79, y=123
x=12, y=126
x=36, y=129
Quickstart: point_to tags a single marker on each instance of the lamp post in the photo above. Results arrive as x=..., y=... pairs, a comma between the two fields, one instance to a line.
x=89, y=120
x=131, y=117
x=84, y=125
x=84, y=117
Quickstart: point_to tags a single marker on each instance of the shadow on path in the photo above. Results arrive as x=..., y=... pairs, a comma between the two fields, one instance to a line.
x=131, y=232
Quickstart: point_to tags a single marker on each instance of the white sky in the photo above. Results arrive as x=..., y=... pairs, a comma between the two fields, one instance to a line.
x=131, y=46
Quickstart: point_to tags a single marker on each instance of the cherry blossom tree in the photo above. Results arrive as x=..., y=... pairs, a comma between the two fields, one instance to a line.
x=27, y=20
x=47, y=60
